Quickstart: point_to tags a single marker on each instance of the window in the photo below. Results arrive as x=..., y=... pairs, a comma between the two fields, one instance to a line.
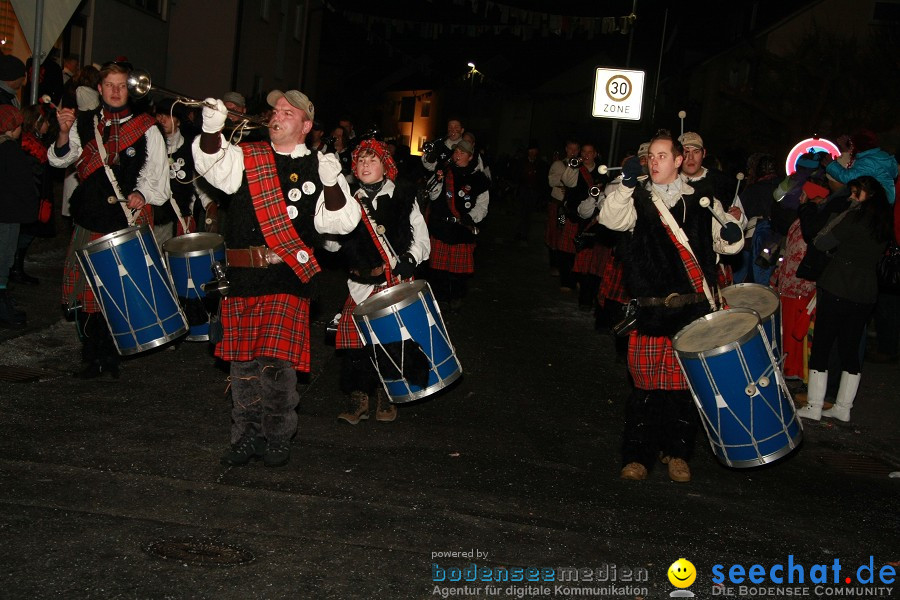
x=426, y=108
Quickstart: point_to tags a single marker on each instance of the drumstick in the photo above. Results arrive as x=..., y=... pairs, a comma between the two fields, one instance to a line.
x=705, y=203
x=740, y=178
x=682, y=115
x=603, y=169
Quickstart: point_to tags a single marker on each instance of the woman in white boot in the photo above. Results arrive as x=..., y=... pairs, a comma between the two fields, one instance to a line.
x=846, y=293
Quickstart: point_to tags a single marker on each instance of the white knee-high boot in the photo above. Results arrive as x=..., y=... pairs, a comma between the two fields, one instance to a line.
x=845, y=396
x=815, y=395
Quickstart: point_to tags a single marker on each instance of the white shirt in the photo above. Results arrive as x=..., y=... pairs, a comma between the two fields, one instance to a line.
x=153, y=178
x=225, y=171
x=173, y=144
x=618, y=213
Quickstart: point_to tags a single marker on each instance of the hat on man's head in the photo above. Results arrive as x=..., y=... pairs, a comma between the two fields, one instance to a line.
x=11, y=68
x=380, y=150
x=296, y=99
x=644, y=149
x=689, y=138
x=10, y=117
x=465, y=146
x=234, y=98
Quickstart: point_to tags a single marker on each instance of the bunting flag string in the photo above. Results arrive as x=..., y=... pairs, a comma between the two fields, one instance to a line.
x=494, y=17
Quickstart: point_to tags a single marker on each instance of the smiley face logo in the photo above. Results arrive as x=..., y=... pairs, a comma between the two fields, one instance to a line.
x=682, y=573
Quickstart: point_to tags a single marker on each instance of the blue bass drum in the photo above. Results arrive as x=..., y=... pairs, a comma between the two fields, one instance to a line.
x=126, y=273
x=744, y=403
x=190, y=258
x=406, y=319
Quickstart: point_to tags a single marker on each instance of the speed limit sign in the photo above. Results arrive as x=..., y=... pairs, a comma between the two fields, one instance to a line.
x=618, y=94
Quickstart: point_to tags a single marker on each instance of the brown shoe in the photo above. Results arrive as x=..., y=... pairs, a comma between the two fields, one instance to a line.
x=679, y=470
x=634, y=471
x=385, y=412
x=357, y=409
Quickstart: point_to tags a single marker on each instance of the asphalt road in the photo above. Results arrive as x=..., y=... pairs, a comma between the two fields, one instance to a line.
x=113, y=489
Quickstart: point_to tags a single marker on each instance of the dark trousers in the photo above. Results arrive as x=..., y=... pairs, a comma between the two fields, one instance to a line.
x=840, y=321
x=589, y=285
x=658, y=421
x=264, y=399
x=564, y=262
x=448, y=286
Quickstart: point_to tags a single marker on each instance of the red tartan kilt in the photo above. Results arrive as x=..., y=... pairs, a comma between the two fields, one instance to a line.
x=652, y=363
x=584, y=260
x=455, y=258
x=566, y=241
x=612, y=282
x=551, y=232
x=275, y=326
x=347, y=336
x=72, y=270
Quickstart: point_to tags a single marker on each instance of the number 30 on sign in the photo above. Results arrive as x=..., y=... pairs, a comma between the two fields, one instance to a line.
x=618, y=94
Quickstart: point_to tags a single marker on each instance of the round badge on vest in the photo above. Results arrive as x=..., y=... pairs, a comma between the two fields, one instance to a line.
x=130, y=152
x=468, y=205
x=308, y=187
x=180, y=174
x=302, y=257
x=293, y=177
x=293, y=194
x=292, y=212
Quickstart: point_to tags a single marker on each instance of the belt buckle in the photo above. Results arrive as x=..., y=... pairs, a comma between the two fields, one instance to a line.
x=671, y=296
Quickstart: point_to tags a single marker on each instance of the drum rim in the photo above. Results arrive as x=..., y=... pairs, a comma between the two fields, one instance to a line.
x=361, y=310
x=431, y=389
x=794, y=442
x=751, y=285
x=116, y=238
x=165, y=339
x=724, y=348
x=196, y=236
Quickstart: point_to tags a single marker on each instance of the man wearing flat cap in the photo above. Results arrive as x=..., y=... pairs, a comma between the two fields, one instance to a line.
x=281, y=199
x=12, y=76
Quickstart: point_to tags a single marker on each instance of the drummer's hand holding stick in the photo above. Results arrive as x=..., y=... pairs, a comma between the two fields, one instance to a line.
x=631, y=170
x=406, y=266
x=731, y=232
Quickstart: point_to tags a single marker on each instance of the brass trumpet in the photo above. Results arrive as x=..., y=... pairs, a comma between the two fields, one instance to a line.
x=594, y=192
x=139, y=85
x=574, y=163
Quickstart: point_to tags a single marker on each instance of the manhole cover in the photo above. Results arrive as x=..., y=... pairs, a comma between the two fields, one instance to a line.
x=17, y=374
x=200, y=552
x=857, y=465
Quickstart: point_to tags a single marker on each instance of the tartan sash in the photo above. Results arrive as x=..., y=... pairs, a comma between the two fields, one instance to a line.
x=123, y=136
x=268, y=202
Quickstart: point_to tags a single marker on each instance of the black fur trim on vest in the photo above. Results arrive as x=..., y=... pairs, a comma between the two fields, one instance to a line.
x=358, y=248
x=182, y=190
x=653, y=266
x=242, y=230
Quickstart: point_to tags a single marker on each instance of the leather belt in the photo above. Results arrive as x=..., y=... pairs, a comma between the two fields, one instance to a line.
x=254, y=257
x=673, y=300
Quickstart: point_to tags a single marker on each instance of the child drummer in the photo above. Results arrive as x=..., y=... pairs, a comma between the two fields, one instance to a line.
x=384, y=249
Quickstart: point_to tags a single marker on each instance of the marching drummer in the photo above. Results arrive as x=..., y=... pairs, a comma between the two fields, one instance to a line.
x=282, y=198
x=670, y=265
x=385, y=248
x=122, y=168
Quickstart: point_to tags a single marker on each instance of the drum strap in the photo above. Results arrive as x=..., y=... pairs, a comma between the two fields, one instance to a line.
x=380, y=242
x=120, y=198
x=681, y=237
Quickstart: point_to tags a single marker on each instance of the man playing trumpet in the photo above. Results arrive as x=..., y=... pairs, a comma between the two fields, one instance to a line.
x=281, y=198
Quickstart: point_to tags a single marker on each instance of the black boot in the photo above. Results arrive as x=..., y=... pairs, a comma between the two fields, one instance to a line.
x=9, y=316
x=17, y=273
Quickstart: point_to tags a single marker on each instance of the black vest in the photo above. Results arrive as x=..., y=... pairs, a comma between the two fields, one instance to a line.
x=357, y=247
x=242, y=230
x=653, y=266
x=468, y=185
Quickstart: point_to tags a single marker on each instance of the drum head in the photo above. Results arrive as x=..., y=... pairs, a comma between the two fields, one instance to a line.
x=716, y=332
x=760, y=298
x=115, y=238
x=193, y=244
x=396, y=297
